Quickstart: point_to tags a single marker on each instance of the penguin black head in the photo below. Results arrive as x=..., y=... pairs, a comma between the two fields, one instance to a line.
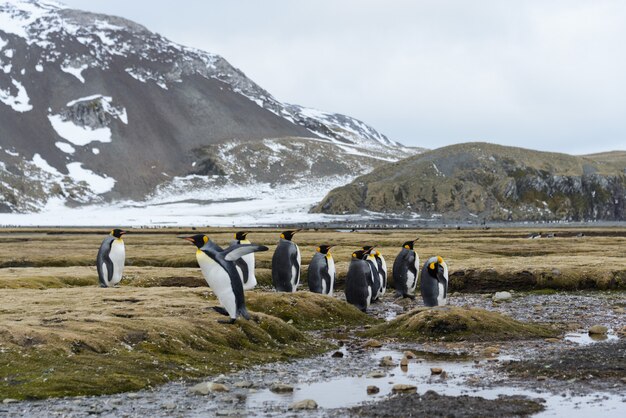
x=241, y=235
x=324, y=249
x=117, y=233
x=288, y=235
x=198, y=240
x=369, y=249
x=358, y=254
x=436, y=267
x=409, y=244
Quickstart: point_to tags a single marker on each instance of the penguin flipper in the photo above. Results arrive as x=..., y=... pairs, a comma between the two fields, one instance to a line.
x=234, y=252
x=244, y=269
x=221, y=310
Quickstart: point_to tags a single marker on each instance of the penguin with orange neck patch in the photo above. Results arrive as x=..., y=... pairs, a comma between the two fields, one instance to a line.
x=245, y=264
x=111, y=258
x=405, y=269
x=286, y=263
x=220, y=272
x=434, y=282
x=321, y=272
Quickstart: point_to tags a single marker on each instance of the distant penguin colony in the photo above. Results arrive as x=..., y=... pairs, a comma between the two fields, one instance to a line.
x=229, y=272
x=245, y=264
x=111, y=258
x=286, y=263
x=405, y=270
x=321, y=272
x=220, y=272
x=434, y=282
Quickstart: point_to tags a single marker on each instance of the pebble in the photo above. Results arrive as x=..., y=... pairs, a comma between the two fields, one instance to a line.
x=372, y=389
x=376, y=375
x=169, y=406
x=303, y=404
x=491, y=351
x=205, y=388
x=230, y=413
x=244, y=384
x=410, y=355
x=540, y=378
x=337, y=354
x=598, y=329
x=552, y=340
x=404, y=362
x=9, y=400
x=502, y=296
x=372, y=344
x=401, y=388
x=573, y=326
x=436, y=370
x=281, y=388
x=387, y=362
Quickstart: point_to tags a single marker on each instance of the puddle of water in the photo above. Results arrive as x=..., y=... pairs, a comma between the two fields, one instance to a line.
x=584, y=338
x=349, y=391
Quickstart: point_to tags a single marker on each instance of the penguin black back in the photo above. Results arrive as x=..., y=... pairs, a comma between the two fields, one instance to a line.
x=358, y=287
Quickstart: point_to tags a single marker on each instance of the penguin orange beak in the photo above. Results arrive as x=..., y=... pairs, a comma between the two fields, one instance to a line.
x=123, y=232
x=190, y=239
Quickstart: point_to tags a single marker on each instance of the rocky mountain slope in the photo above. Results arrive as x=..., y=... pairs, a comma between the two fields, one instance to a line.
x=95, y=107
x=480, y=181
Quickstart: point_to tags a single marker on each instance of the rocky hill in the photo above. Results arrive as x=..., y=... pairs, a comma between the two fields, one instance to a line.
x=96, y=107
x=480, y=181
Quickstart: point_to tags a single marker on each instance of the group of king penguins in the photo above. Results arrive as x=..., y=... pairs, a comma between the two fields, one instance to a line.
x=229, y=271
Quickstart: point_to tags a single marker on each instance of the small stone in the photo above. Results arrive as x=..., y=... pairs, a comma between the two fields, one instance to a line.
x=9, y=400
x=230, y=413
x=598, y=329
x=491, y=351
x=205, y=388
x=303, y=404
x=387, y=362
x=337, y=354
x=372, y=389
x=573, y=326
x=621, y=332
x=401, y=388
x=444, y=375
x=281, y=388
x=169, y=406
x=410, y=355
x=244, y=384
x=502, y=296
x=542, y=378
x=436, y=370
x=623, y=379
x=552, y=340
x=372, y=344
x=487, y=296
x=492, y=360
x=619, y=310
x=404, y=362
x=376, y=375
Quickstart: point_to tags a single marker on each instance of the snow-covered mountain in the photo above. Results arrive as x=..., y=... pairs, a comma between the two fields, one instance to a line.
x=97, y=108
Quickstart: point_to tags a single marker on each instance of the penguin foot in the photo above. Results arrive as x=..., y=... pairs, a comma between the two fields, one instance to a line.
x=221, y=310
x=227, y=321
x=412, y=297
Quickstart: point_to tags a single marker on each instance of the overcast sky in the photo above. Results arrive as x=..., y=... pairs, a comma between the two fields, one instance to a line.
x=548, y=75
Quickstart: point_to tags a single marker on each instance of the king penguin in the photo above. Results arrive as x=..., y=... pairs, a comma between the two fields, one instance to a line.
x=381, y=265
x=370, y=258
x=220, y=272
x=321, y=272
x=359, y=282
x=110, y=259
x=405, y=270
x=245, y=264
x=434, y=282
x=286, y=264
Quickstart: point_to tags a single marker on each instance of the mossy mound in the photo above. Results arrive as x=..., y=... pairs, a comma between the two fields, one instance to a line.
x=451, y=323
x=307, y=310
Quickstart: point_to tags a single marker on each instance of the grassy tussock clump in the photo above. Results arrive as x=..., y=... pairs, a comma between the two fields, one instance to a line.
x=90, y=341
x=307, y=310
x=458, y=324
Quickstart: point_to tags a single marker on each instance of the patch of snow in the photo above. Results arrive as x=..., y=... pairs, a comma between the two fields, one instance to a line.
x=65, y=147
x=19, y=103
x=12, y=153
x=23, y=71
x=3, y=43
x=96, y=151
x=39, y=68
x=78, y=135
x=76, y=72
x=104, y=25
x=96, y=183
x=43, y=165
x=7, y=68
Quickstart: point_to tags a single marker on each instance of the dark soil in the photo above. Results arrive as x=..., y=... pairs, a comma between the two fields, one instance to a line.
x=430, y=405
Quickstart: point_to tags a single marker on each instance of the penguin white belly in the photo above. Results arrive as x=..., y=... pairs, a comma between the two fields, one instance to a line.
x=219, y=281
x=411, y=281
x=295, y=271
x=331, y=273
x=249, y=260
x=117, y=256
x=440, y=299
x=369, y=295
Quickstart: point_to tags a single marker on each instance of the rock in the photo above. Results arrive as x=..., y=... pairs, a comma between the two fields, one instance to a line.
x=372, y=344
x=552, y=340
x=491, y=351
x=372, y=389
x=487, y=296
x=401, y=388
x=410, y=355
x=244, y=384
x=387, y=362
x=376, y=375
x=9, y=400
x=303, y=404
x=404, y=362
x=436, y=370
x=573, y=326
x=619, y=310
x=598, y=329
x=169, y=406
x=541, y=378
x=502, y=296
x=231, y=413
x=281, y=388
x=205, y=388
x=621, y=332
x=337, y=354
x=623, y=379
